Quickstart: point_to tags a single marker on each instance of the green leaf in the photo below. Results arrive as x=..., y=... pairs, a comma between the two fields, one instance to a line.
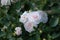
x=41, y=4
x=2, y=34
x=55, y=35
x=49, y=37
x=19, y=39
x=17, y=4
x=12, y=38
x=37, y=37
x=54, y=21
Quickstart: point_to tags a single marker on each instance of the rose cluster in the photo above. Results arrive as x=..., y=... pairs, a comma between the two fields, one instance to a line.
x=32, y=19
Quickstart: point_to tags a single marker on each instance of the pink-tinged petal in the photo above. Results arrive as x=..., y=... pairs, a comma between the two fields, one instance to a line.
x=18, y=31
x=29, y=26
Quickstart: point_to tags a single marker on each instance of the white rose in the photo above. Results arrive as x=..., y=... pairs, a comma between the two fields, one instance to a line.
x=34, y=17
x=5, y=2
x=44, y=16
x=18, y=30
x=24, y=17
x=29, y=26
x=38, y=16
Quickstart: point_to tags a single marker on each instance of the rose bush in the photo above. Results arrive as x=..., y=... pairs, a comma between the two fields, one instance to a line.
x=29, y=20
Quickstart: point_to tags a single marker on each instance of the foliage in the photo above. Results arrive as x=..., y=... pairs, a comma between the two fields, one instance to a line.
x=9, y=17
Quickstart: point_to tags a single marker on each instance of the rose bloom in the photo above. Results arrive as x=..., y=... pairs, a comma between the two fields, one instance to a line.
x=5, y=2
x=23, y=17
x=29, y=26
x=34, y=17
x=44, y=16
x=38, y=16
x=18, y=31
